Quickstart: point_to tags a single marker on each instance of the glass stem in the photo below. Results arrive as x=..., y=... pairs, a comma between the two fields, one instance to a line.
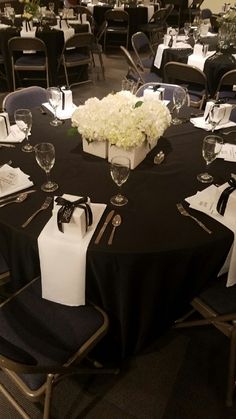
x=48, y=177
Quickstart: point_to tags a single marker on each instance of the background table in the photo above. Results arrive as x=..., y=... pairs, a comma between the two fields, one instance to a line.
x=159, y=259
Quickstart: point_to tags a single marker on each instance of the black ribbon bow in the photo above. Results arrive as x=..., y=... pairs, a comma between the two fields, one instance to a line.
x=67, y=208
x=171, y=41
x=63, y=98
x=223, y=199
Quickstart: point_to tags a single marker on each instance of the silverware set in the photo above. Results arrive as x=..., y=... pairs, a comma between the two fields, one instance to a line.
x=43, y=207
x=116, y=222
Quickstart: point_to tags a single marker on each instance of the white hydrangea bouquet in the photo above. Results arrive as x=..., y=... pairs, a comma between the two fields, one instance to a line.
x=122, y=119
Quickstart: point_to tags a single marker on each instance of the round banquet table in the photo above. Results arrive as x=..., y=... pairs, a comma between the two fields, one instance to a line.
x=159, y=259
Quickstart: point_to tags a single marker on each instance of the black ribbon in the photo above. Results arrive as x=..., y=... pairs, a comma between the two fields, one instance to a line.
x=60, y=22
x=67, y=208
x=63, y=89
x=171, y=41
x=6, y=124
x=223, y=199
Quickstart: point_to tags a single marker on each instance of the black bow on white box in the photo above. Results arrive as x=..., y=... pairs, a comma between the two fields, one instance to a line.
x=67, y=208
x=224, y=197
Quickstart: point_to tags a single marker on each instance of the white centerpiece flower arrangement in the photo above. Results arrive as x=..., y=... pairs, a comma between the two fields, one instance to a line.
x=122, y=119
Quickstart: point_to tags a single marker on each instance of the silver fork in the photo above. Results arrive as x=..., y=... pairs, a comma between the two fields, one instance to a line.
x=184, y=212
x=45, y=205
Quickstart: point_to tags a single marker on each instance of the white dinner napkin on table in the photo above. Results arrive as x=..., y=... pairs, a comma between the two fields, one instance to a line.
x=200, y=122
x=228, y=152
x=12, y=180
x=206, y=201
x=63, y=261
x=15, y=136
x=61, y=114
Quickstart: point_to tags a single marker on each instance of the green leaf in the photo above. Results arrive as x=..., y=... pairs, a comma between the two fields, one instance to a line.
x=138, y=104
x=72, y=131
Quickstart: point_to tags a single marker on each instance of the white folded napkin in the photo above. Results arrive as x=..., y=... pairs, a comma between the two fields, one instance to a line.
x=197, y=60
x=15, y=136
x=12, y=180
x=159, y=53
x=61, y=114
x=206, y=201
x=228, y=152
x=63, y=260
x=4, y=26
x=201, y=123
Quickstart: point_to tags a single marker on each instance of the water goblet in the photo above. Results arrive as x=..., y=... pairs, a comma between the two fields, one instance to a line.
x=179, y=99
x=196, y=35
x=45, y=157
x=23, y=119
x=119, y=169
x=54, y=98
x=187, y=27
x=211, y=147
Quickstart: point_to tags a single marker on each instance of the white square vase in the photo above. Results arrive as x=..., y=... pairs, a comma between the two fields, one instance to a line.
x=97, y=148
x=135, y=154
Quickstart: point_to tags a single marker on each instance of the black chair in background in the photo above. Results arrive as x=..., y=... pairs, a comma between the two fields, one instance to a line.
x=117, y=29
x=28, y=97
x=226, y=88
x=194, y=9
x=193, y=79
x=143, y=50
x=134, y=73
x=26, y=62
x=97, y=48
x=41, y=342
x=156, y=26
x=77, y=53
x=217, y=306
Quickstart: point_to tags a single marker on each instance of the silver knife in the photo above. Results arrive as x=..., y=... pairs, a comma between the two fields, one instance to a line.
x=6, y=198
x=7, y=145
x=106, y=222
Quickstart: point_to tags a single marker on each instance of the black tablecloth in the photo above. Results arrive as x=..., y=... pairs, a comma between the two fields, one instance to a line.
x=159, y=259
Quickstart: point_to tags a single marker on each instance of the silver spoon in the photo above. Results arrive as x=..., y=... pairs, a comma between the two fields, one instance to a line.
x=116, y=221
x=18, y=200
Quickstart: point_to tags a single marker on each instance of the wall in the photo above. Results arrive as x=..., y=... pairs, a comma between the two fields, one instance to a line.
x=214, y=5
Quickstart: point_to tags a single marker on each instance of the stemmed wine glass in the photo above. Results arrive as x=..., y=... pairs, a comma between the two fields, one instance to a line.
x=120, y=169
x=179, y=99
x=211, y=147
x=196, y=35
x=23, y=119
x=187, y=27
x=54, y=98
x=45, y=157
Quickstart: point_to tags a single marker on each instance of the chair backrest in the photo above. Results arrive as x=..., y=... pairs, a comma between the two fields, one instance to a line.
x=190, y=77
x=133, y=71
x=117, y=16
x=168, y=92
x=29, y=97
x=52, y=338
x=79, y=40
x=18, y=43
x=101, y=31
x=225, y=86
x=159, y=16
x=82, y=10
x=142, y=48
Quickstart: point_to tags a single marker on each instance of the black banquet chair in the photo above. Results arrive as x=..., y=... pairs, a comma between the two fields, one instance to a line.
x=156, y=25
x=77, y=53
x=42, y=342
x=22, y=59
x=27, y=97
x=117, y=28
x=134, y=73
x=143, y=50
x=225, y=89
x=217, y=307
x=193, y=79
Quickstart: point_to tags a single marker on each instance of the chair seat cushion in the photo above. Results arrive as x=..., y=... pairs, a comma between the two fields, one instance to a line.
x=74, y=57
x=51, y=333
x=220, y=298
x=31, y=60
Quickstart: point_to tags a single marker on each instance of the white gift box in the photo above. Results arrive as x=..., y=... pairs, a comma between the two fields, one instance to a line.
x=77, y=225
x=4, y=125
x=197, y=49
x=66, y=99
x=221, y=112
x=150, y=92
